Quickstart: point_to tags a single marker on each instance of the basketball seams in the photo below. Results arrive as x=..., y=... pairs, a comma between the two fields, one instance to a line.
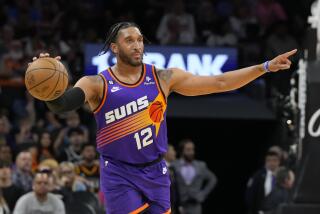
x=54, y=86
x=43, y=81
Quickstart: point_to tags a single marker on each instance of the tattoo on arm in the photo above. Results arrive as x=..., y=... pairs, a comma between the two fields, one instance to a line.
x=165, y=74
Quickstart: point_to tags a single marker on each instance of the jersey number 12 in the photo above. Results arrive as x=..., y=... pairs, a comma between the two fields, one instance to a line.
x=145, y=136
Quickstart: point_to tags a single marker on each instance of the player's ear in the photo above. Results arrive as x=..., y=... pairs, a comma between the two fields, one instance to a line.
x=114, y=48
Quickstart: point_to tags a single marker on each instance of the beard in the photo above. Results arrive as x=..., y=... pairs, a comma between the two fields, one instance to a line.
x=129, y=60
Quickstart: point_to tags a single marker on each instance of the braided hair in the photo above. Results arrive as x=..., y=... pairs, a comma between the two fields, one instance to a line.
x=113, y=34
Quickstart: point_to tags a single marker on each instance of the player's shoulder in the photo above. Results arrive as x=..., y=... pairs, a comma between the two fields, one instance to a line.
x=91, y=80
x=92, y=83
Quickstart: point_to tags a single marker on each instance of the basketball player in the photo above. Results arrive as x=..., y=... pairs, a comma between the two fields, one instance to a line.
x=129, y=103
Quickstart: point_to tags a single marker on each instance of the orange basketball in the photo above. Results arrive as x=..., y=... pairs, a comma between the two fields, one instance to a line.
x=46, y=78
x=156, y=111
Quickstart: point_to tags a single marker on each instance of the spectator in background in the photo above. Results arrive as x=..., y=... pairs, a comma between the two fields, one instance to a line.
x=53, y=125
x=5, y=154
x=5, y=128
x=4, y=209
x=170, y=157
x=284, y=156
x=88, y=167
x=280, y=40
x=240, y=19
x=177, y=26
x=72, y=121
x=222, y=35
x=206, y=19
x=52, y=166
x=69, y=181
x=40, y=200
x=280, y=194
x=269, y=12
x=24, y=132
x=10, y=191
x=72, y=152
x=46, y=146
x=195, y=181
x=22, y=174
x=33, y=148
x=262, y=182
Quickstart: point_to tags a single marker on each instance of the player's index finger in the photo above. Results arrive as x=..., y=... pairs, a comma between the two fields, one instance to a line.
x=290, y=53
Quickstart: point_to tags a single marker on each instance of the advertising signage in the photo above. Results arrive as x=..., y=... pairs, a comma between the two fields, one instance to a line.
x=201, y=61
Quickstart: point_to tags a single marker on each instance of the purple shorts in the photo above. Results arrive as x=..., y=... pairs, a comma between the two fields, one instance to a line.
x=131, y=189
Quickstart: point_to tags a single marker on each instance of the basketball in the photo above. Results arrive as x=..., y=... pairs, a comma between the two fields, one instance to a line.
x=46, y=78
x=156, y=111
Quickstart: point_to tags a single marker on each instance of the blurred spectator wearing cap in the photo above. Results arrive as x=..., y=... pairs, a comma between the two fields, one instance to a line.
x=262, y=182
x=88, y=167
x=40, y=200
x=195, y=180
x=22, y=174
x=72, y=121
x=10, y=191
x=72, y=152
x=280, y=194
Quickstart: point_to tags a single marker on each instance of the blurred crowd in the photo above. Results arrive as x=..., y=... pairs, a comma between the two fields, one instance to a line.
x=56, y=153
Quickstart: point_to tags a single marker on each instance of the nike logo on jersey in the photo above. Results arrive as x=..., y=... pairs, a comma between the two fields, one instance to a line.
x=115, y=88
x=126, y=109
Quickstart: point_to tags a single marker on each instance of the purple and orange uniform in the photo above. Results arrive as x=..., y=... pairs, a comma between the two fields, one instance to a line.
x=131, y=140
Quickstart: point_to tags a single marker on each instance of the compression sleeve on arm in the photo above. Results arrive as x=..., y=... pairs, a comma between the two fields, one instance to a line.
x=72, y=99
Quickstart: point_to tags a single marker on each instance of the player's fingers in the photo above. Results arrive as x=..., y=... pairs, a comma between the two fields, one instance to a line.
x=285, y=61
x=284, y=66
x=58, y=58
x=34, y=58
x=290, y=53
x=288, y=61
x=44, y=55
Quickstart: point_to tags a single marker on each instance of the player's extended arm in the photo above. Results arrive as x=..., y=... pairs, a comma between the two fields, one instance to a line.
x=188, y=84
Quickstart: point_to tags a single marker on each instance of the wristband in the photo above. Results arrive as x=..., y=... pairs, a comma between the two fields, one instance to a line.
x=266, y=66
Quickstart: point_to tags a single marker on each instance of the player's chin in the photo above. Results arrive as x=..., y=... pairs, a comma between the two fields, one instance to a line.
x=136, y=62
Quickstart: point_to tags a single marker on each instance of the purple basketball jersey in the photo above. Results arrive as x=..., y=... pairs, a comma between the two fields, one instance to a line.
x=131, y=119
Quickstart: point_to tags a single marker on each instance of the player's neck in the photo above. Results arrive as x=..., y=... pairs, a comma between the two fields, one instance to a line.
x=126, y=70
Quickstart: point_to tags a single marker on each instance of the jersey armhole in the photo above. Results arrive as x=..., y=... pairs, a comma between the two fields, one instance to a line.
x=105, y=90
x=158, y=82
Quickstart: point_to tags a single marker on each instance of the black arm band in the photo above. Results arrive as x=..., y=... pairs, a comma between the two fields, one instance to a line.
x=72, y=99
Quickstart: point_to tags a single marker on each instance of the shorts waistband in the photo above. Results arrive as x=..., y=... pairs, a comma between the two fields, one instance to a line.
x=160, y=158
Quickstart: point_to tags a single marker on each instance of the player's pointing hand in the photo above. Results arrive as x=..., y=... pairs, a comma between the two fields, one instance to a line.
x=281, y=62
